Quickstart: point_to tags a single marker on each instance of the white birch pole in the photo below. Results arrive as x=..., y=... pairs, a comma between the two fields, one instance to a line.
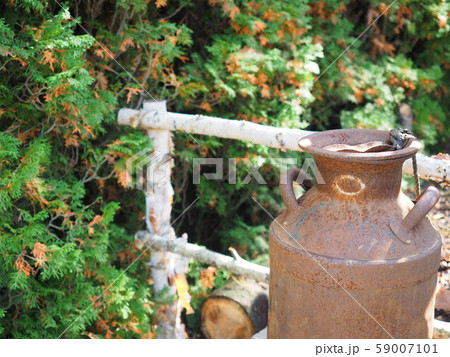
x=430, y=169
x=281, y=138
x=158, y=206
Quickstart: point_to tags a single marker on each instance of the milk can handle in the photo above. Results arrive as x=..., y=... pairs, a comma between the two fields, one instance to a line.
x=424, y=203
x=287, y=190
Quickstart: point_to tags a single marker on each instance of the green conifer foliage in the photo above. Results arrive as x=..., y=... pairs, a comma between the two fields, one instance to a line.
x=60, y=249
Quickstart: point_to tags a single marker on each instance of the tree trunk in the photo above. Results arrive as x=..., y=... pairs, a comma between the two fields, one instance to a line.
x=236, y=310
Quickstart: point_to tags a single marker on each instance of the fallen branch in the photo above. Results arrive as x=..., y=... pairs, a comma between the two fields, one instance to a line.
x=280, y=138
x=236, y=265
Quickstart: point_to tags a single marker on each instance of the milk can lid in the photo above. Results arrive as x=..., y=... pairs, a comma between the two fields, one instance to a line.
x=360, y=145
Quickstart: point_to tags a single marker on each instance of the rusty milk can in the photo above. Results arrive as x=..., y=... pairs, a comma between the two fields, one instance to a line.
x=353, y=257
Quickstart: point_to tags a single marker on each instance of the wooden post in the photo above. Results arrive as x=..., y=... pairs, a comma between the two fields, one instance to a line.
x=158, y=206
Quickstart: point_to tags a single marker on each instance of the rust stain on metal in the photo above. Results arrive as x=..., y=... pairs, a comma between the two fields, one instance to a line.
x=340, y=267
x=349, y=185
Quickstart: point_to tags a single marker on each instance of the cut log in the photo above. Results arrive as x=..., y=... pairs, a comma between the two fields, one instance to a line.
x=236, y=310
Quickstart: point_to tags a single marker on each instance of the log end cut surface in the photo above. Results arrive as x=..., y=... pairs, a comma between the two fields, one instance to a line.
x=225, y=318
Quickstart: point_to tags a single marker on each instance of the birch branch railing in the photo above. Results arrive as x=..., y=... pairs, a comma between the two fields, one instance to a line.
x=430, y=169
x=234, y=264
x=167, y=260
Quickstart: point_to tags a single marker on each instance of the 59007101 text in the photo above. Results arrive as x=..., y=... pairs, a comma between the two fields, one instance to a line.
x=380, y=348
